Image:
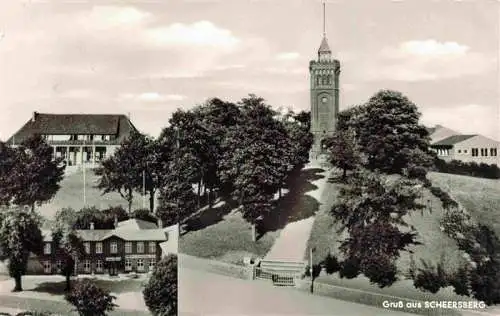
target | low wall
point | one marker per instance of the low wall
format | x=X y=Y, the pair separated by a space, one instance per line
x=217 y=267
x=371 y=298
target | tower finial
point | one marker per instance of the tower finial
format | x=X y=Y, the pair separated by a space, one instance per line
x=324 y=19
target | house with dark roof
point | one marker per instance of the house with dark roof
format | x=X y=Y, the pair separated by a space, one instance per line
x=77 y=138
x=133 y=245
x=468 y=148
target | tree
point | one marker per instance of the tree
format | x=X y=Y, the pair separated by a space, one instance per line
x=115 y=176
x=7 y=162
x=388 y=132
x=371 y=208
x=69 y=246
x=20 y=235
x=89 y=299
x=145 y=215
x=160 y=292
x=104 y=219
x=343 y=151
x=35 y=174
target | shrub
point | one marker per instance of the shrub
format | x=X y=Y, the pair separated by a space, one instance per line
x=430 y=279
x=145 y=215
x=445 y=198
x=472 y=169
x=160 y=293
x=331 y=264
x=456 y=221
x=316 y=270
x=381 y=271
x=89 y=299
x=349 y=269
x=460 y=280
x=485 y=282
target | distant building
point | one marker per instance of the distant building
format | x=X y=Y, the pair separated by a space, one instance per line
x=77 y=138
x=133 y=246
x=468 y=148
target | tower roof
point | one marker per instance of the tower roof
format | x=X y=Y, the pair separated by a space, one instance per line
x=324 y=47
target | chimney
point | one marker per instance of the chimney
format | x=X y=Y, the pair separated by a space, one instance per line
x=92 y=225
x=33 y=118
x=116 y=221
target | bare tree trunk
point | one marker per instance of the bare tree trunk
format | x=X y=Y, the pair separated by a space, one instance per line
x=199 y=193
x=254 y=233
x=18 y=287
x=68 y=283
x=279 y=191
x=130 y=199
x=152 y=201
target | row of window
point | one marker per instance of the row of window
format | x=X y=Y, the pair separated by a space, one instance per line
x=484 y=152
x=99 y=265
x=77 y=137
x=113 y=247
x=474 y=151
x=324 y=80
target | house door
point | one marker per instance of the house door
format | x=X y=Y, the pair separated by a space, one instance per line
x=112 y=269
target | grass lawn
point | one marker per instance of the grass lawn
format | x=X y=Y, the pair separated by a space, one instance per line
x=221 y=233
x=229 y=240
x=480 y=197
x=71 y=195
x=128 y=292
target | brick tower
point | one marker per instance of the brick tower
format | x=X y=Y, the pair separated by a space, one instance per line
x=324 y=86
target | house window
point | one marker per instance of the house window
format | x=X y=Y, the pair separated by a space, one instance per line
x=459 y=151
x=128 y=247
x=98 y=265
x=98 y=247
x=46 y=248
x=465 y=151
x=128 y=265
x=475 y=152
x=86 y=265
x=47 y=267
x=140 y=264
x=152 y=247
x=59 y=266
x=140 y=247
x=493 y=151
x=484 y=152
x=113 y=247
x=87 y=247
x=152 y=264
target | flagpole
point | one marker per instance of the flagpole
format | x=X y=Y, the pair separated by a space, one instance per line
x=143 y=189
x=84 y=180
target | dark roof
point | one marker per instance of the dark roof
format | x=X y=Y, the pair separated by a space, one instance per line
x=452 y=140
x=324 y=47
x=65 y=124
x=130 y=230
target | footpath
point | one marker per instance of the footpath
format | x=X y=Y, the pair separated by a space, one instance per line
x=291 y=244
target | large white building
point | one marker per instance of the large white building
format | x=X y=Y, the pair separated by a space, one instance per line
x=78 y=138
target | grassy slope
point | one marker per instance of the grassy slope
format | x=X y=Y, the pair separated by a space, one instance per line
x=325 y=238
x=71 y=195
x=434 y=244
x=481 y=197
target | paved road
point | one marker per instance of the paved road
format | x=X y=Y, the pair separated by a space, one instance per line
x=203 y=293
x=57 y=307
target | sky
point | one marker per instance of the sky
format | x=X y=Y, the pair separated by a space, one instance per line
x=148 y=58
